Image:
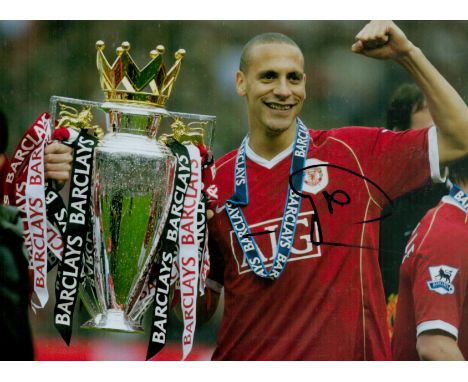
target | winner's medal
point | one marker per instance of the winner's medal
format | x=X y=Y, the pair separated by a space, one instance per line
x=240 y=198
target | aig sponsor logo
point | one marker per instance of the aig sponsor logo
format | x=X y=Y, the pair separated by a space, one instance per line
x=267 y=243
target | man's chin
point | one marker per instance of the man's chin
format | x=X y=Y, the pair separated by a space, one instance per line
x=278 y=129
x=273 y=132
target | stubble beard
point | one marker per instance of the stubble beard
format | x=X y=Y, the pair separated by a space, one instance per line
x=276 y=132
x=277 y=128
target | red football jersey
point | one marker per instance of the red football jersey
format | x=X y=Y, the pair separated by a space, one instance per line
x=328 y=304
x=434 y=281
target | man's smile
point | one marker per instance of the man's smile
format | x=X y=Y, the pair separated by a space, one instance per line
x=278 y=106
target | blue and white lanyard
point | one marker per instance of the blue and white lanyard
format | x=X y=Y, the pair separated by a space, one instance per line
x=459 y=196
x=240 y=198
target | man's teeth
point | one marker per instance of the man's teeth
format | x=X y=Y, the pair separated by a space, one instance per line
x=279 y=107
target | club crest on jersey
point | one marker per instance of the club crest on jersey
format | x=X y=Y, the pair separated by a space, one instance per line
x=315 y=178
x=442 y=279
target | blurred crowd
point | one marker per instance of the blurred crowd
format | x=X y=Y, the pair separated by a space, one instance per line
x=44 y=58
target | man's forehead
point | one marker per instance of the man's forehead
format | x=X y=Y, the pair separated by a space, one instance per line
x=278 y=47
x=264 y=53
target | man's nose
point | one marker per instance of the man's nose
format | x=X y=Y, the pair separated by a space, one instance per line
x=282 y=88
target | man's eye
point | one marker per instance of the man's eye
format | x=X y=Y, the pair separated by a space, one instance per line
x=295 y=78
x=269 y=76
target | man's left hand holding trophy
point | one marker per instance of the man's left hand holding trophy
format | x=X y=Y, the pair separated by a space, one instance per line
x=57 y=161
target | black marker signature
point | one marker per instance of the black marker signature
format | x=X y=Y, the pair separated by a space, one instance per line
x=330 y=198
x=257 y=233
x=338 y=197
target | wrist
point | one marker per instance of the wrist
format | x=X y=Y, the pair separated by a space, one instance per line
x=408 y=54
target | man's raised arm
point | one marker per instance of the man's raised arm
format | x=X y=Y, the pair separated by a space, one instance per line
x=384 y=40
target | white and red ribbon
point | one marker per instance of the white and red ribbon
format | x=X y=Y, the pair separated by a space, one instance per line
x=36 y=218
x=24 y=188
x=188 y=252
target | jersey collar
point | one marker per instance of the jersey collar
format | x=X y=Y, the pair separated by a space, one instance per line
x=269 y=164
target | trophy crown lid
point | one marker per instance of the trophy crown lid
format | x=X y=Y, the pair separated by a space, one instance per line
x=124 y=81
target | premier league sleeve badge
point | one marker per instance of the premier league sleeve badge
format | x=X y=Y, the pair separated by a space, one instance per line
x=442 y=277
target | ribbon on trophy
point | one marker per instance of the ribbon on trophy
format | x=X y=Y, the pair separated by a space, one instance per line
x=169 y=249
x=188 y=252
x=76 y=233
x=57 y=217
x=25 y=188
x=183 y=251
x=203 y=253
x=36 y=218
x=209 y=196
x=43 y=210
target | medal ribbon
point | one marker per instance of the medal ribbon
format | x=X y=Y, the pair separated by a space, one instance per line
x=291 y=210
x=459 y=196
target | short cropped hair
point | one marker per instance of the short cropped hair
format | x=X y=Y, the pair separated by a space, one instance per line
x=3 y=132
x=458 y=171
x=264 y=38
x=406 y=99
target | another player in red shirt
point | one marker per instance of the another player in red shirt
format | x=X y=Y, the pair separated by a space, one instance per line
x=298 y=260
x=432 y=311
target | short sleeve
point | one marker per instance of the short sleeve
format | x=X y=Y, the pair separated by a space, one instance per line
x=437 y=174
x=398 y=162
x=439 y=284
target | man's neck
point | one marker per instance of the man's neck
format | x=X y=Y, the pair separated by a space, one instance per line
x=268 y=146
x=463 y=186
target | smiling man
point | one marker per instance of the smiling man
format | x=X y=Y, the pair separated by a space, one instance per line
x=274 y=94
x=287 y=298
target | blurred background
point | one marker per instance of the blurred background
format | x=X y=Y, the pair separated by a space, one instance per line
x=39 y=59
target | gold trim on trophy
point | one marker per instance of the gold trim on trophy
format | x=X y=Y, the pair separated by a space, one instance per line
x=123 y=81
x=78 y=120
x=185 y=133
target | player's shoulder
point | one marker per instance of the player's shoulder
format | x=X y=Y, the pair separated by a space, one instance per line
x=227 y=161
x=443 y=224
x=443 y=213
x=434 y=217
x=453 y=219
x=441 y=239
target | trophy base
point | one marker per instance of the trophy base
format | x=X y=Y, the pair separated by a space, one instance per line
x=113 y=320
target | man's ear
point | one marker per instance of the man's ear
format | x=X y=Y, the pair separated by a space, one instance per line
x=305 y=81
x=240 y=83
